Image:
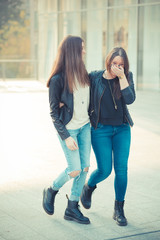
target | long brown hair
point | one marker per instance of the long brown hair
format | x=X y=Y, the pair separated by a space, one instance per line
x=117 y=51
x=69 y=62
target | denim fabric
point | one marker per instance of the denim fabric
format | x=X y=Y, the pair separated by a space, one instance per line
x=111 y=143
x=76 y=160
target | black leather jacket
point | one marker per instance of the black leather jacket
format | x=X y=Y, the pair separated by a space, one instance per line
x=60 y=116
x=97 y=90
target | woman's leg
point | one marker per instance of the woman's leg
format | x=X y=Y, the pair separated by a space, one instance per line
x=78 y=164
x=121 y=148
x=80 y=161
x=84 y=144
x=73 y=161
x=73 y=169
x=102 y=146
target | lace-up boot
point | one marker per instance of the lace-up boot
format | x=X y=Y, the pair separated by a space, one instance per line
x=73 y=213
x=119 y=213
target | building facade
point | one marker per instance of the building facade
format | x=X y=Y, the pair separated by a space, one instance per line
x=103 y=24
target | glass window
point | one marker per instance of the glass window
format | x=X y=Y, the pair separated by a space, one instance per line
x=94 y=4
x=52 y=5
x=69 y=23
x=149 y=47
x=69 y=5
x=47 y=37
x=118 y=27
x=121 y=2
x=149 y=1
x=83 y=4
x=47 y=6
x=94 y=32
x=122 y=31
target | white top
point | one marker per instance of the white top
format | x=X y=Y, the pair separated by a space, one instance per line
x=80 y=107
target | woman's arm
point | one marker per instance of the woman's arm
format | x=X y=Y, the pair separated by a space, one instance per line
x=128 y=93
x=55 y=91
x=127 y=88
x=54 y=100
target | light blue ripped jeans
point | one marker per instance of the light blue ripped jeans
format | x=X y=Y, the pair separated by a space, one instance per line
x=77 y=160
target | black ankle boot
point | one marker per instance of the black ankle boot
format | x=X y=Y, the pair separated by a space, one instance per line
x=119 y=213
x=73 y=213
x=48 y=200
x=86 y=196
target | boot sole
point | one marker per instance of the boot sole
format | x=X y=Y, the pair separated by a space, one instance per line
x=75 y=220
x=120 y=224
x=49 y=213
x=86 y=207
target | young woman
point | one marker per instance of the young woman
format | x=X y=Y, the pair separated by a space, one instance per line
x=69 y=84
x=111 y=91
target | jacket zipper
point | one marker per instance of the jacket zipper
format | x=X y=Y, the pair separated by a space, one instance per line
x=99 y=107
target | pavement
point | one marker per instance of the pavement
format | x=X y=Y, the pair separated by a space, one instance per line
x=31 y=157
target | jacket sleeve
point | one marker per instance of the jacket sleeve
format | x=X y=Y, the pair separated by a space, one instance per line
x=128 y=94
x=55 y=91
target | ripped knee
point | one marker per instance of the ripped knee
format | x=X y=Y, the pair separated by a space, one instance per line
x=74 y=173
x=86 y=169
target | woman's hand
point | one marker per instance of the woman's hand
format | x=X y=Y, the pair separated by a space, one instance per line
x=71 y=143
x=61 y=104
x=118 y=71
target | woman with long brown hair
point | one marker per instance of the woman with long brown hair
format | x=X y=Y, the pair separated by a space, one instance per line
x=69 y=84
x=111 y=90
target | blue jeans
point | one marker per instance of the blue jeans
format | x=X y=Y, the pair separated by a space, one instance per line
x=77 y=160
x=111 y=143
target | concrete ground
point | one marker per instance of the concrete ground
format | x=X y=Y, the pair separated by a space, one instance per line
x=31 y=157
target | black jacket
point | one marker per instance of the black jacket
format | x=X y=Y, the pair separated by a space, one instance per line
x=60 y=116
x=97 y=90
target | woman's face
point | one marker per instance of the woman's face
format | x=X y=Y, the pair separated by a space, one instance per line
x=118 y=62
